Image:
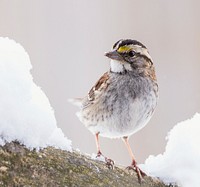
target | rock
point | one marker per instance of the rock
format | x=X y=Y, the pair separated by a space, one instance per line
x=20 y=166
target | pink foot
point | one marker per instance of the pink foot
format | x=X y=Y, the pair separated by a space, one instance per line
x=109 y=162
x=139 y=172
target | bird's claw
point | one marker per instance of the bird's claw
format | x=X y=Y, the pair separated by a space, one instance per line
x=109 y=163
x=139 y=172
x=99 y=154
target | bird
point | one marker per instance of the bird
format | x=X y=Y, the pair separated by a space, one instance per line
x=123 y=100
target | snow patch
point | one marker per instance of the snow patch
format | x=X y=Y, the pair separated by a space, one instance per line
x=26 y=114
x=99 y=158
x=180 y=163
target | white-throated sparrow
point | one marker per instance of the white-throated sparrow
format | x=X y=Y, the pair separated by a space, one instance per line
x=124 y=98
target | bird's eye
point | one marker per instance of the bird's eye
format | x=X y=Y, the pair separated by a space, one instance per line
x=131 y=53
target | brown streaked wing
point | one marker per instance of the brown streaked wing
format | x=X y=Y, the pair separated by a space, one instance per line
x=101 y=84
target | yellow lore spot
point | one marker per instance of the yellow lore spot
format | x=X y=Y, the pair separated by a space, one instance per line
x=124 y=49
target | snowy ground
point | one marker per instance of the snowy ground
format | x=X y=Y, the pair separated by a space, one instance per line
x=26 y=114
x=180 y=163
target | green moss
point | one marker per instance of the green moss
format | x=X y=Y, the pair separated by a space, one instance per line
x=54 y=167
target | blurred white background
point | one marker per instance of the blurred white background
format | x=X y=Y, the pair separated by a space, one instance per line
x=66 y=41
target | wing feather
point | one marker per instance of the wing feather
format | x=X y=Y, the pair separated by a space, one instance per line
x=100 y=86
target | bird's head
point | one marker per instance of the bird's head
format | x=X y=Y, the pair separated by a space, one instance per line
x=129 y=55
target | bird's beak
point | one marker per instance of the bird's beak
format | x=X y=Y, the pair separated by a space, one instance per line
x=114 y=55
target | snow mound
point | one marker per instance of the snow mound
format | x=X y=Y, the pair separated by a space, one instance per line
x=26 y=114
x=180 y=163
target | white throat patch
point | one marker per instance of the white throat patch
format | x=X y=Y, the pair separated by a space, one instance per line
x=116 y=66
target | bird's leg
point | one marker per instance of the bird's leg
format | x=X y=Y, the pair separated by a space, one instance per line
x=109 y=162
x=133 y=165
x=97 y=144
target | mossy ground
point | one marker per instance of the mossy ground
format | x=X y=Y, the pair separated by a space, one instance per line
x=53 y=167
